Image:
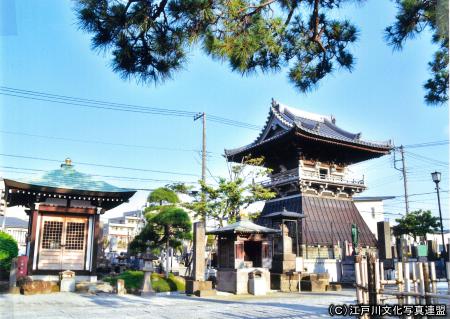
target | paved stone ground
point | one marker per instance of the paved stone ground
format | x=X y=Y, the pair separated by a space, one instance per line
x=70 y=305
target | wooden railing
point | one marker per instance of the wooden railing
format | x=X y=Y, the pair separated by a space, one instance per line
x=331 y=178
x=292 y=175
x=282 y=178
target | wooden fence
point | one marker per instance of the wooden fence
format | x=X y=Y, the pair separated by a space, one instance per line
x=414 y=283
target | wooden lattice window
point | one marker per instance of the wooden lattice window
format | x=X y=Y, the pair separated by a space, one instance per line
x=51 y=238
x=75 y=236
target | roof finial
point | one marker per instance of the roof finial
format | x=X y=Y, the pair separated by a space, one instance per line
x=67 y=162
x=274 y=103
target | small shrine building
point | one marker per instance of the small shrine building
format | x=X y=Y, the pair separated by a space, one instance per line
x=309 y=156
x=64 y=208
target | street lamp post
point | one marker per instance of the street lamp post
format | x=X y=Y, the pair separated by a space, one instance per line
x=436 y=176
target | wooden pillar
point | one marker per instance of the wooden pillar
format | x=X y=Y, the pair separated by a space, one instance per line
x=371 y=279
x=400 y=280
x=426 y=278
x=32 y=246
x=95 y=244
x=421 y=282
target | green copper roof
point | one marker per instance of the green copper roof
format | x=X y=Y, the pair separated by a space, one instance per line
x=69 y=178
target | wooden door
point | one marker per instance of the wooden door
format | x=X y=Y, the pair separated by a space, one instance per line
x=74 y=248
x=63 y=243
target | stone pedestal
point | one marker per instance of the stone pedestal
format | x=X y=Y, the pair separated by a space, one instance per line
x=283 y=274
x=200 y=288
x=315 y=282
x=147 y=289
x=287 y=282
x=67 y=281
x=236 y=280
x=283 y=263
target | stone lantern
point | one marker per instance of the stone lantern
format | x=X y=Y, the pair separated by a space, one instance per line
x=147 y=289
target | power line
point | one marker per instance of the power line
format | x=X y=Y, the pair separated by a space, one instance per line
x=424 y=158
x=113 y=106
x=428 y=144
x=102 y=142
x=99 y=165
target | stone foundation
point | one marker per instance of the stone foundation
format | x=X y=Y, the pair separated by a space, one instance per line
x=315 y=282
x=284 y=282
x=199 y=288
x=236 y=280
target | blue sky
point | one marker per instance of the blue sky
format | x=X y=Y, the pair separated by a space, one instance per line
x=43 y=50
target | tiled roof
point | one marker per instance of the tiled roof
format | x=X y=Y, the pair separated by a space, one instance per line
x=313 y=124
x=327 y=220
x=14 y=222
x=68 y=178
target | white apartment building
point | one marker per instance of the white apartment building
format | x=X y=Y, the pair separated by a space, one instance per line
x=371 y=209
x=120 y=231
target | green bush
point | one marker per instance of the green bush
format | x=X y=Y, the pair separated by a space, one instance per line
x=134 y=279
x=8 y=251
x=163 y=284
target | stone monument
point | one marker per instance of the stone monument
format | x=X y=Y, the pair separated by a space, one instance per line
x=283 y=276
x=198 y=285
x=384 y=240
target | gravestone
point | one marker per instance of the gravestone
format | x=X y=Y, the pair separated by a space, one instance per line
x=348 y=269
x=197 y=285
x=384 y=240
x=432 y=249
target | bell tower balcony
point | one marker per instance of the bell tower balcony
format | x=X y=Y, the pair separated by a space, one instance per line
x=316 y=182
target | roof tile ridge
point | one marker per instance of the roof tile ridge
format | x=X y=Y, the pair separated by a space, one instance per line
x=282 y=117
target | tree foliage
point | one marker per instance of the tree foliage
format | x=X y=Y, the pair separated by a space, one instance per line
x=165 y=228
x=150 y=40
x=8 y=251
x=416 y=224
x=180 y=188
x=413 y=17
x=163 y=195
x=226 y=200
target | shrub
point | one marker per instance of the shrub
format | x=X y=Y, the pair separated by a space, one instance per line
x=8 y=251
x=134 y=279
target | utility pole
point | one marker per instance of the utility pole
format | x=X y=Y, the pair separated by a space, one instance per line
x=3 y=207
x=203 y=117
x=403 y=170
x=203 y=196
